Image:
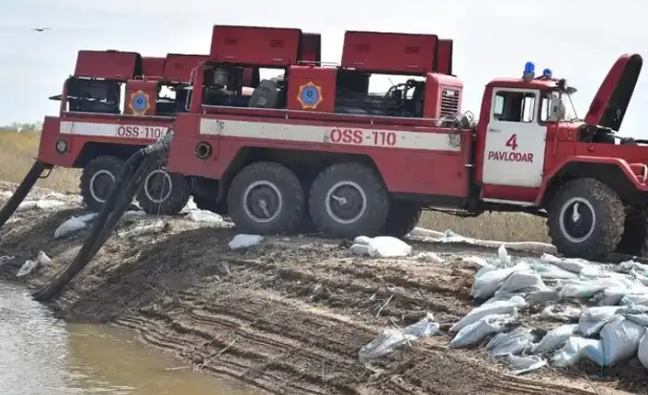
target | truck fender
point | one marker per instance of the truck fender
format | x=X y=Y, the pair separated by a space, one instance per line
x=567 y=165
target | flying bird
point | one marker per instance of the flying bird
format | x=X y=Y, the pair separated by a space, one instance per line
x=40 y=29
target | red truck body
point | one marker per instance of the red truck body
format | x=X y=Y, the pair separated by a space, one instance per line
x=412 y=148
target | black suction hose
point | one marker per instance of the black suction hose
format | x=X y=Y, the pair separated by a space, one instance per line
x=21 y=192
x=127 y=184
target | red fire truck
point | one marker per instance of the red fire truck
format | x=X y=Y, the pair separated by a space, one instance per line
x=318 y=145
x=117 y=102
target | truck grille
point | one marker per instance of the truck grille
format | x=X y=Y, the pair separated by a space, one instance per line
x=449 y=102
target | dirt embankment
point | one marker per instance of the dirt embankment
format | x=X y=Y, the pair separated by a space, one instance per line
x=289 y=315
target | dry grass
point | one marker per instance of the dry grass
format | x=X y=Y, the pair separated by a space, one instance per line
x=17 y=153
x=19 y=150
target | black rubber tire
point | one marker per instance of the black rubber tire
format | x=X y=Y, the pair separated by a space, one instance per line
x=109 y=163
x=172 y=205
x=608 y=225
x=209 y=204
x=375 y=215
x=635 y=235
x=402 y=218
x=292 y=194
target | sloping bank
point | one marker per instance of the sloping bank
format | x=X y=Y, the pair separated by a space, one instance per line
x=288 y=316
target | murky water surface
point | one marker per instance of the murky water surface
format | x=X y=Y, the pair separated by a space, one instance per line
x=41 y=355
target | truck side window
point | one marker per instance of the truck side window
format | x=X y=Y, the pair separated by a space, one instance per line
x=511 y=106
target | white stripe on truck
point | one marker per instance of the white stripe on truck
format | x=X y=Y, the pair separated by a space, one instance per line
x=281 y=132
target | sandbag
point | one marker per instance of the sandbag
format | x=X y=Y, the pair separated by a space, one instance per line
x=476 y=332
x=594 y=319
x=495 y=308
x=554 y=339
x=642 y=352
x=512 y=343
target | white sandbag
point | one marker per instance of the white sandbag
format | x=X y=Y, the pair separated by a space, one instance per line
x=388 y=247
x=205 y=216
x=390 y=339
x=555 y=339
x=574 y=265
x=516 y=300
x=549 y=271
x=628 y=266
x=642 y=352
x=43 y=259
x=488 y=281
x=381 y=246
x=637 y=314
x=423 y=232
x=362 y=240
x=504 y=257
x=476 y=314
x=28 y=267
x=512 y=343
x=633 y=300
x=70 y=226
x=525 y=364
x=522 y=281
x=575 y=349
x=586 y=289
x=620 y=338
x=476 y=332
x=244 y=241
x=43 y=204
x=561 y=313
x=594 y=319
x=360 y=249
x=610 y=296
x=140 y=230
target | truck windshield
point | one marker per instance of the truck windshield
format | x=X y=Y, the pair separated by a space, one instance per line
x=557 y=107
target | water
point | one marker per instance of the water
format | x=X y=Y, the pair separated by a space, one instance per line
x=41 y=355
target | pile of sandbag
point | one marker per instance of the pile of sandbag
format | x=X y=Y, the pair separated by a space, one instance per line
x=609 y=332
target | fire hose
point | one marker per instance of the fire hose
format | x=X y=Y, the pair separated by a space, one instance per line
x=127 y=184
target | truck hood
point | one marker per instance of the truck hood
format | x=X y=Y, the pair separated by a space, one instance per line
x=611 y=101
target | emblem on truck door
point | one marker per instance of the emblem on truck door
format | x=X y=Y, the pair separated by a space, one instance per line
x=139 y=103
x=310 y=96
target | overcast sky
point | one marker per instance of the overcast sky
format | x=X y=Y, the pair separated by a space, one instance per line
x=577 y=39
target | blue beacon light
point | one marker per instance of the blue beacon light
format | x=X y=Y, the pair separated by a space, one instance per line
x=547 y=73
x=529 y=71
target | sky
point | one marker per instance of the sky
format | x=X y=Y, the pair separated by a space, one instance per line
x=577 y=39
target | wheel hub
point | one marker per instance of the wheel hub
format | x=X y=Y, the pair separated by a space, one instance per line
x=101 y=184
x=262 y=201
x=346 y=202
x=157 y=186
x=577 y=219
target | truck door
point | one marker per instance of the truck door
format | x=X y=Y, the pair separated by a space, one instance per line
x=515 y=141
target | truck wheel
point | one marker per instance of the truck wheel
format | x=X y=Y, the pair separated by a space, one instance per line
x=402 y=218
x=266 y=198
x=98 y=179
x=635 y=234
x=348 y=200
x=164 y=193
x=586 y=219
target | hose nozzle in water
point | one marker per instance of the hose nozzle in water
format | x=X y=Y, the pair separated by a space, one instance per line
x=128 y=183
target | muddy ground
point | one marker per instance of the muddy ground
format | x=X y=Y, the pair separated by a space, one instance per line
x=288 y=315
